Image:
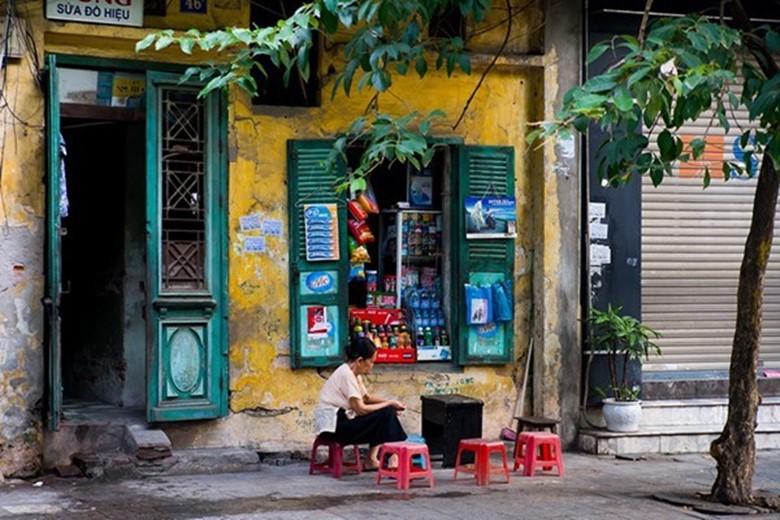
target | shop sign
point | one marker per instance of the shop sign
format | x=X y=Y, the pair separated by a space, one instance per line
x=112 y=12
x=491 y=217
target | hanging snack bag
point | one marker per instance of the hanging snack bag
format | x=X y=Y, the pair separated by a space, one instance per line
x=357 y=272
x=367 y=199
x=356 y=210
x=361 y=232
x=359 y=255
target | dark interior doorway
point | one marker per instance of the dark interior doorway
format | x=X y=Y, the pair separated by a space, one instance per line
x=103 y=249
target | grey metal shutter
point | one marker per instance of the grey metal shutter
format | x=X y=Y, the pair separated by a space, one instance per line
x=692 y=246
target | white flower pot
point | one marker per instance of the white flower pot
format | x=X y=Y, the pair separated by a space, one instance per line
x=622 y=416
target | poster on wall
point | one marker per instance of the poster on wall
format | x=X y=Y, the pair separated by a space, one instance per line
x=491 y=217
x=119 y=12
x=321 y=230
x=319 y=331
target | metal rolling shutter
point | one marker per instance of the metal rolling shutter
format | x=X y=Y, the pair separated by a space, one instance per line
x=692 y=245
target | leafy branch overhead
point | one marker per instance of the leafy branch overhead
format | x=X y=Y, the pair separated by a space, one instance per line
x=685 y=69
x=387 y=37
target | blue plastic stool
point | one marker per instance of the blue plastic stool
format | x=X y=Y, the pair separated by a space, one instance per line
x=417 y=460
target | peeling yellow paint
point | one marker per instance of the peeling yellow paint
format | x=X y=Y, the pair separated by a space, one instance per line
x=259 y=329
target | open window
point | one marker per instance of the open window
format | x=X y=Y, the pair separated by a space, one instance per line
x=392 y=262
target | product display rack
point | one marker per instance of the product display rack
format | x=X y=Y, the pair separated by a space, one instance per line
x=418 y=250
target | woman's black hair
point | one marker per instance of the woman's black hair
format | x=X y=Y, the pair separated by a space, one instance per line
x=360 y=347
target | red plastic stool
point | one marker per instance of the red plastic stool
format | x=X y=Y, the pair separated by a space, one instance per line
x=538 y=450
x=406 y=471
x=335 y=464
x=482 y=449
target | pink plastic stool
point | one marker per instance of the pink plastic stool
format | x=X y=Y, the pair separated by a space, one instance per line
x=335 y=464
x=406 y=471
x=482 y=469
x=538 y=450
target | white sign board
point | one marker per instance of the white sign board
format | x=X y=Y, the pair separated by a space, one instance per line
x=112 y=12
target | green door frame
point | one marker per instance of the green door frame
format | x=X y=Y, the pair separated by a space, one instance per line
x=51 y=299
x=217 y=298
x=181 y=324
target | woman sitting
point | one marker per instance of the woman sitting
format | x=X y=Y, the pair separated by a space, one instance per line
x=348 y=414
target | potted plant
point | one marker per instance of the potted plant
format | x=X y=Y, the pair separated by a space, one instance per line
x=622 y=338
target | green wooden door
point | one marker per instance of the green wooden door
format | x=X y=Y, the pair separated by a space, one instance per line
x=186 y=251
x=53 y=249
x=482 y=172
x=318 y=256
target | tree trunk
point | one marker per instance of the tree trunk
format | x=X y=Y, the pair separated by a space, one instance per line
x=735 y=449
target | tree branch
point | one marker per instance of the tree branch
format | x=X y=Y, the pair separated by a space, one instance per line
x=757 y=46
x=643 y=25
x=489 y=67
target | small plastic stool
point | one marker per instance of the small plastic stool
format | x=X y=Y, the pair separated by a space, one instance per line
x=534 y=423
x=407 y=470
x=417 y=460
x=538 y=450
x=482 y=469
x=335 y=464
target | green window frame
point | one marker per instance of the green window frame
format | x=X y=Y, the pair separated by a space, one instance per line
x=476 y=171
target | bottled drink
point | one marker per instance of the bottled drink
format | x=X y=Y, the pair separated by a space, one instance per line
x=428 y=336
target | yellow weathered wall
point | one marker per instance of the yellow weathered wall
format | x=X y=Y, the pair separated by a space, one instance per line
x=271 y=404
x=22 y=205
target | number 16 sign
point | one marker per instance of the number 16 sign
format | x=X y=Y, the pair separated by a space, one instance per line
x=193 y=6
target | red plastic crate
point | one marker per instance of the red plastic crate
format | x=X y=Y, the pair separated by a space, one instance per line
x=396 y=355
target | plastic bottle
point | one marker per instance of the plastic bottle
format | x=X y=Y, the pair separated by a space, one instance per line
x=420 y=337
x=428 y=336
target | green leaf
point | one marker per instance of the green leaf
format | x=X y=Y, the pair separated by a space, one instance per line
x=667 y=146
x=697 y=147
x=773 y=41
x=358 y=184
x=707 y=178
x=145 y=43
x=597 y=51
x=163 y=42
x=421 y=66
x=623 y=99
x=599 y=84
x=638 y=75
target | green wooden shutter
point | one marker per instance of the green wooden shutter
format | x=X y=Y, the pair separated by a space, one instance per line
x=482 y=171
x=51 y=299
x=186 y=186
x=318 y=289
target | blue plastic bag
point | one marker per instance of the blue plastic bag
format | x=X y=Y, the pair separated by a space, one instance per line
x=502 y=301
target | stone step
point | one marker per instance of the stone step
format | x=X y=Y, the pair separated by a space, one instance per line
x=668 y=439
x=656 y=414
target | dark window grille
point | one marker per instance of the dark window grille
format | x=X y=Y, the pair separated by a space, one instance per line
x=447 y=24
x=183 y=190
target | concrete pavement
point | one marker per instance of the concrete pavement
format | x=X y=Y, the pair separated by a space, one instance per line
x=594 y=487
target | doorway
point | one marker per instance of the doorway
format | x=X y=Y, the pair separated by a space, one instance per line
x=136 y=245
x=103 y=247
